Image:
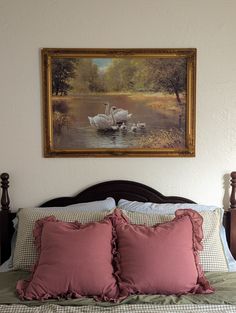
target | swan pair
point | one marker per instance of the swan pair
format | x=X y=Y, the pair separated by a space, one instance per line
x=110 y=119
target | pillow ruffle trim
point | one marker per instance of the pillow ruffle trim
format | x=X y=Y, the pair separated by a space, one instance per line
x=202 y=286
x=21 y=286
x=124 y=290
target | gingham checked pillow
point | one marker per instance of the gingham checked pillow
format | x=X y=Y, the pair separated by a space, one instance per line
x=212 y=258
x=25 y=253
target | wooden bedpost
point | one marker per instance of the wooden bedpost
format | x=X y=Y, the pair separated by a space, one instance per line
x=232 y=211
x=5 y=220
x=233 y=192
x=5 y=201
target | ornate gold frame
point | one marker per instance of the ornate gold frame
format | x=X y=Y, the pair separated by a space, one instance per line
x=189 y=149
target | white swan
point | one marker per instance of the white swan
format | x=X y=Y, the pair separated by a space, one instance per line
x=123 y=127
x=141 y=125
x=121 y=115
x=134 y=128
x=102 y=121
x=100 y=115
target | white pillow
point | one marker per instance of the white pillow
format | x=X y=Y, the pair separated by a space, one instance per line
x=161 y=208
x=170 y=208
x=101 y=205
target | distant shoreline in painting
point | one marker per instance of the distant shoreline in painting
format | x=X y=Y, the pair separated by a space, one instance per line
x=120 y=103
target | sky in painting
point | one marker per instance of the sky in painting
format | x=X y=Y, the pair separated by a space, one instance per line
x=102 y=63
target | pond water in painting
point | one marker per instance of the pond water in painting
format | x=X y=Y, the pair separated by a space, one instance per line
x=155 y=121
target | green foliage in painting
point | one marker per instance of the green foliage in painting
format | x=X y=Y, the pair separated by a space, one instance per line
x=167 y=75
x=87 y=78
x=83 y=75
x=120 y=75
x=63 y=70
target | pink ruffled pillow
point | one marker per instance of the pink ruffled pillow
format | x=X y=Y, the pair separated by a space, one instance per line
x=162 y=259
x=74 y=260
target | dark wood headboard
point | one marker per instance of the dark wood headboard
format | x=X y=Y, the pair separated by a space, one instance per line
x=118 y=189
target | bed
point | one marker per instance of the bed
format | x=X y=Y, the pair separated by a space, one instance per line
x=134 y=193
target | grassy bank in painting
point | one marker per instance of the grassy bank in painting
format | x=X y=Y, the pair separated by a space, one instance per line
x=173 y=138
x=163 y=116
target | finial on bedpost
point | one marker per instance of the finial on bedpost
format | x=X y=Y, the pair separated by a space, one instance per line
x=5 y=200
x=233 y=191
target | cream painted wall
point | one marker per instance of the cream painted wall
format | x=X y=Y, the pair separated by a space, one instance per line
x=28 y=25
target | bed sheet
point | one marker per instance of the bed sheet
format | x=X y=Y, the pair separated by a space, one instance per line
x=223 y=300
x=137 y=308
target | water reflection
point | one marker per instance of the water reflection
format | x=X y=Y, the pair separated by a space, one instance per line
x=88 y=137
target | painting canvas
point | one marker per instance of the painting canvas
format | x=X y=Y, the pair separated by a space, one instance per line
x=128 y=102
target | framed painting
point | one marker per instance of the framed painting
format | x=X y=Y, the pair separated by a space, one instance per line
x=119 y=102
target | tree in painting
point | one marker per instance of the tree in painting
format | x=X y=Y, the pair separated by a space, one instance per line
x=120 y=75
x=87 y=78
x=62 y=71
x=168 y=75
